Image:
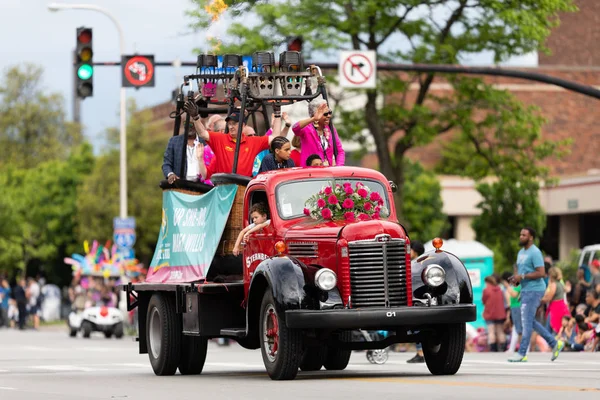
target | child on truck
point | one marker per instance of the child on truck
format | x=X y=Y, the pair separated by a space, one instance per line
x=260 y=219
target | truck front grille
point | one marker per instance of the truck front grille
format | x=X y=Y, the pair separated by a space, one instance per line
x=378 y=273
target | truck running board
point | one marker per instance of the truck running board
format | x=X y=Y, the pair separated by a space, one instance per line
x=234 y=332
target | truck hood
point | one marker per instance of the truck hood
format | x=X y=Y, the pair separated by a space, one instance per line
x=311 y=229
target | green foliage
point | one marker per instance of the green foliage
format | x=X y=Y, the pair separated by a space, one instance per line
x=44 y=159
x=33 y=128
x=42 y=212
x=98 y=197
x=422 y=205
x=506 y=208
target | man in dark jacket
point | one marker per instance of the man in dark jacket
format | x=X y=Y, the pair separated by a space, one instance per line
x=21 y=299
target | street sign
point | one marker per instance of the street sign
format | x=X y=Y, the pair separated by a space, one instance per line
x=124 y=232
x=137 y=71
x=358 y=69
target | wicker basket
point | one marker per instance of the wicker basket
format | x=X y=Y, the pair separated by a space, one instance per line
x=234 y=225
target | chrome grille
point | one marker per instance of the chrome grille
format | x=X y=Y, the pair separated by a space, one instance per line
x=378 y=273
x=302 y=249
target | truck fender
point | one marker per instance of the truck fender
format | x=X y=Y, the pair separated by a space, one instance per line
x=456 y=290
x=285 y=278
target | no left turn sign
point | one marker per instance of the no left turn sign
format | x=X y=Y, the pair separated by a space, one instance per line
x=357 y=69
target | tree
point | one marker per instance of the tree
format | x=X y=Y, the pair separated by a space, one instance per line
x=42 y=213
x=42 y=161
x=507 y=207
x=33 y=126
x=417 y=31
x=98 y=198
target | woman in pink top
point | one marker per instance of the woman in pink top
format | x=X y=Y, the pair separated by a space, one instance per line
x=315 y=136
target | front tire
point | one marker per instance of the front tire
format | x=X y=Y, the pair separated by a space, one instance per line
x=108 y=334
x=444 y=349
x=281 y=347
x=338 y=359
x=193 y=355
x=163 y=335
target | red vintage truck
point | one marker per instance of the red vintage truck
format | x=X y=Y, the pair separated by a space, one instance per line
x=307 y=283
x=302 y=285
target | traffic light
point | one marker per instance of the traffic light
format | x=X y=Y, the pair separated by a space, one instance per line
x=295 y=44
x=84 y=69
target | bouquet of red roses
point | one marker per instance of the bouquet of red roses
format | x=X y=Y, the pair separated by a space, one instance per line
x=343 y=202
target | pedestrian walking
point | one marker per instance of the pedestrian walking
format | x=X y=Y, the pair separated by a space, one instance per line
x=530 y=275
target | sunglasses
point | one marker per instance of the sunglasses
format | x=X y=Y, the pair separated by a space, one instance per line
x=327 y=114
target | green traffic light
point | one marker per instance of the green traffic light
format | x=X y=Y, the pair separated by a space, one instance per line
x=85 y=72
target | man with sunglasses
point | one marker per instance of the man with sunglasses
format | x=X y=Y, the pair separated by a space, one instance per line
x=224 y=145
x=174 y=153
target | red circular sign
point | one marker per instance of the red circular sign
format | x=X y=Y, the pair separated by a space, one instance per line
x=360 y=69
x=139 y=70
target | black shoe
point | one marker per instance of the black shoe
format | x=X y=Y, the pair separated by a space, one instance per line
x=416 y=360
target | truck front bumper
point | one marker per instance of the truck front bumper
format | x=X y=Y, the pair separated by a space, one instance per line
x=365 y=318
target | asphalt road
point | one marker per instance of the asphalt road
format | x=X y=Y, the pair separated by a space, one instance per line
x=49 y=365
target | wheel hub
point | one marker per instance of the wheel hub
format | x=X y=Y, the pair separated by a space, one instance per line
x=271 y=333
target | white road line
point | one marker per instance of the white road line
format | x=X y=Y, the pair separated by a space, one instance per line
x=65 y=368
x=3 y=370
x=7 y=388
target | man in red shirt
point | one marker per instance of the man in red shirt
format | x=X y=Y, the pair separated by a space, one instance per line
x=223 y=145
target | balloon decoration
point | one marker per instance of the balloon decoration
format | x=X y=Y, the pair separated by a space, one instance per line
x=103 y=261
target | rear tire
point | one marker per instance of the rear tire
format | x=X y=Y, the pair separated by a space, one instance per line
x=444 y=349
x=338 y=359
x=193 y=355
x=86 y=327
x=281 y=347
x=163 y=335
x=72 y=332
x=313 y=359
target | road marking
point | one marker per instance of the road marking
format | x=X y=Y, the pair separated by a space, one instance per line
x=65 y=368
x=3 y=370
x=7 y=388
x=475 y=384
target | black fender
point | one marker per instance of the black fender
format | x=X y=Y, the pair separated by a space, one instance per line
x=456 y=290
x=292 y=284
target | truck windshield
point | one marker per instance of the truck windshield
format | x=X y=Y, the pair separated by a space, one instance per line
x=292 y=196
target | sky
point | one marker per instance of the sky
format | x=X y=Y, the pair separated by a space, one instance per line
x=157 y=27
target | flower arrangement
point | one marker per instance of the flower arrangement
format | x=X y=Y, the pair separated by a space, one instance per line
x=343 y=202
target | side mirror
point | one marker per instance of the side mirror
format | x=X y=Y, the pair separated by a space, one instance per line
x=393 y=186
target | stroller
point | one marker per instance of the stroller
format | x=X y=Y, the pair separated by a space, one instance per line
x=376 y=356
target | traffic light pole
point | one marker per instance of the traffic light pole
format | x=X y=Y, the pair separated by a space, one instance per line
x=123 y=130
x=76 y=99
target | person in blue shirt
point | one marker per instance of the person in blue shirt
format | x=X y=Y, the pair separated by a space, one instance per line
x=4 y=297
x=530 y=273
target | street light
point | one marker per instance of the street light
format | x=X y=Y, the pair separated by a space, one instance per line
x=123 y=131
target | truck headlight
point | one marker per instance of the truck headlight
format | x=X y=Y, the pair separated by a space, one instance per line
x=434 y=275
x=325 y=279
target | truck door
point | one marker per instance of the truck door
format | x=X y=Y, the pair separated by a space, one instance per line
x=260 y=245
